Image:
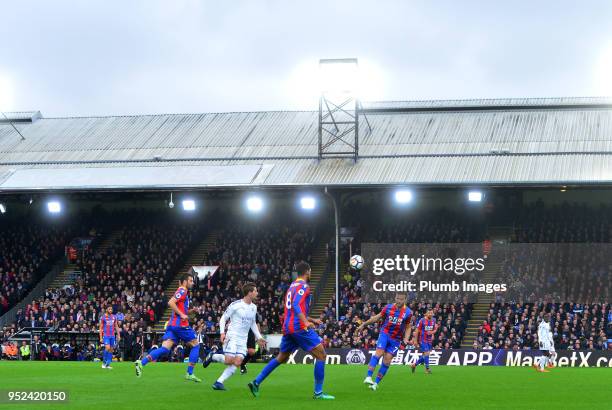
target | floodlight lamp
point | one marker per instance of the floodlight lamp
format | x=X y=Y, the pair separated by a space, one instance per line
x=338 y=75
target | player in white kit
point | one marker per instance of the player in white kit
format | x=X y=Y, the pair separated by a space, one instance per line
x=546 y=344
x=242 y=315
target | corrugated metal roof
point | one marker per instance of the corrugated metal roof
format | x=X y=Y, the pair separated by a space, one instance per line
x=489 y=103
x=20 y=116
x=565 y=140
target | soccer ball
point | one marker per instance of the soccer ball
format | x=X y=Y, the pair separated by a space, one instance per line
x=356 y=262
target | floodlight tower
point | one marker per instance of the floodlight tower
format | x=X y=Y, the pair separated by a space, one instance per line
x=338 y=108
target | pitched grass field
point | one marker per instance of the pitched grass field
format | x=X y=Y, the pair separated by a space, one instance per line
x=290 y=387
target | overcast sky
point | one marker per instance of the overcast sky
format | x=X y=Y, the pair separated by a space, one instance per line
x=78 y=58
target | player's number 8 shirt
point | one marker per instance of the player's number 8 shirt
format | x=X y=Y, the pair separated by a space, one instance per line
x=297 y=300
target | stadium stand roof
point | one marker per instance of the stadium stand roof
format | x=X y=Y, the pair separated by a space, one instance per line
x=472 y=142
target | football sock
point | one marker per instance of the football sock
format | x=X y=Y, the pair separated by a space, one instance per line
x=319 y=376
x=372 y=365
x=246 y=359
x=227 y=373
x=427 y=362
x=194 y=355
x=155 y=355
x=273 y=364
x=381 y=372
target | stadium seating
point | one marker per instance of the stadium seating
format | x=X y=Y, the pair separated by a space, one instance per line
x=574 y=326
x=262 y=254
x=27 y=252
x=513 y=324
x=130 y=276
x=426 y=227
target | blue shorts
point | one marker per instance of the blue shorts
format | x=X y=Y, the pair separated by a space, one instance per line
x=425 y=347
x=388 y=344
x=305 y=340
x=109 y=340
x=176 y=333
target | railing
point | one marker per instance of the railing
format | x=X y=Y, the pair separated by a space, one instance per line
x=39 y=290
x=74 y=275
x=324 y=278
x=27 y=333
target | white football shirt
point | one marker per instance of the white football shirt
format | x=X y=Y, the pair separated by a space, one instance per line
x=544 y=334
x=242 y=317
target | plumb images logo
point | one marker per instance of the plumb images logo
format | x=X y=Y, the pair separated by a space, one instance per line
x=355 y=356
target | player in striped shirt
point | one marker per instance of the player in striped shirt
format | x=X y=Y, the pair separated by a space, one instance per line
x=109 y=327
x=177 y=329
x=395 y=328
x=425 y=331
x=298 y=333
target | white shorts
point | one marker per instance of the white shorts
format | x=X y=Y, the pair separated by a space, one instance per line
x=548 y=347
x=234 y=346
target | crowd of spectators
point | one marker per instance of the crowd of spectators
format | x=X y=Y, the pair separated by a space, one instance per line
x=27 y=253
x=560 y=263
x=130 y=275
x=265 y=255
x=342 y=333
x=133 y=272
x=563 y=223
x=439 y=226
x=574 y=326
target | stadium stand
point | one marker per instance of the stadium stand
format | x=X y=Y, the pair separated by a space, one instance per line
x=262 y=254
x=135 y=271
x=129 y=275
x=513 y=324
x=575 y=326
x=433 y=226
x=27 y=252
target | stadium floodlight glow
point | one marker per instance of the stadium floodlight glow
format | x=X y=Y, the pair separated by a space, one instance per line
x=601 y=79
x=2 y=208
x=54 y=207
x=338 y=75
x=6 y=94
x=189 y=205
x=308 y=203
x=403 y=196
x=254 y=204
x=475 y=196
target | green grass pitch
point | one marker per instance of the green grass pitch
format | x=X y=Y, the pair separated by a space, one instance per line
x=290 y=387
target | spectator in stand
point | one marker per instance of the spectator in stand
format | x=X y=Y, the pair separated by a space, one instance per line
x=130 y=276
x=573 y=325
x=27 y=252
x=267 y=253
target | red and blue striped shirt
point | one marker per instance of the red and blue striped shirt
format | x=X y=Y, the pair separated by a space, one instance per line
x=396 y=319
x=425 y=326
x=182 y=302
x=108 y=324
x=297 y=300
